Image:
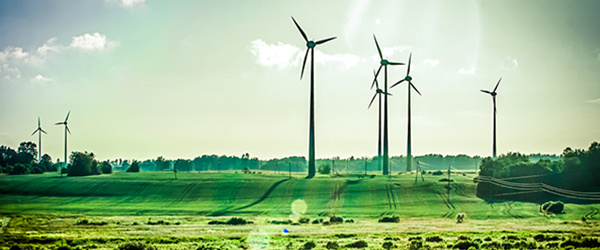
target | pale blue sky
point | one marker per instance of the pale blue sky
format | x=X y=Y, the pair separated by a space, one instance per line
x=187 y=78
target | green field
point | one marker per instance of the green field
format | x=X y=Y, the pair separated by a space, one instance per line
x=43 y=211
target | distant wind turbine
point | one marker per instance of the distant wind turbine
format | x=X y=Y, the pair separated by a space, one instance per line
x=39 y=130
x=408 y=78
x=66 y=130
x=493 y=94
x=310 y=44
x=378 y=93
x=384 y=63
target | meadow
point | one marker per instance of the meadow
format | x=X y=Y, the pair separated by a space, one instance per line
x=46 y=211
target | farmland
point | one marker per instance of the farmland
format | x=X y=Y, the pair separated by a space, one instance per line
x=49 y=207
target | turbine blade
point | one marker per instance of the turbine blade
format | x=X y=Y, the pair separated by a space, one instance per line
x=68 y=116
x=67 y=127
x=397 y=83
x=395 y=63
x=34 y=132
x=375 y=81
x=409 y=60
x=497 y=84
x=373 y=99
x=59 y=123
x=413 y=86
x=378 y=49
x=485 y=91
x=376 y=74
x=390 y=94
x=300 y=29
x=43 y=131
x=38 y=121
x=325 y=40
x=304 y=63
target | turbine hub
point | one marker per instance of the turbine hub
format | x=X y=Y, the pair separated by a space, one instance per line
x=311 y=44
x=379 y=91
x=408 y=78
x=384 y=62
x=494 y=93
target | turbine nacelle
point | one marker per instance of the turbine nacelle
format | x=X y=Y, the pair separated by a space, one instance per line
x=384 y=62
x=408 y=78
x=311 y=44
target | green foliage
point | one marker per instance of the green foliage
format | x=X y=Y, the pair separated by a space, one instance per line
x=324 y=169
x=388 y=245
x=231 y=221
x=555 y=207
x=246 y=170
x=391 y=219
x=18 y=169
x=516 y=165
x=309 y=245
x=28 y=152
x=434 y=238
x=335 y=219
x=46 y=163
x=332 y=245
x=439 y=172
x=184 y=165
x=82 y=164
x=358 y=244
x=136 y=246
x=106 y=167
x=135 y=167
x=304 y=220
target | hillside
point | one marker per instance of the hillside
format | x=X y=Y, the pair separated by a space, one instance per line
x=216 y=194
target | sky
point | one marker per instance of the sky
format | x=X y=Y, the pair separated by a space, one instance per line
x=180 y=79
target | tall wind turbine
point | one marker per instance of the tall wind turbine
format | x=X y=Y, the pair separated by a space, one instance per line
x=408 y=78
x=384 y=63
x=378 y=93
x=310 y=45
x=39 y=130
x=493 y=94
x=66 y=130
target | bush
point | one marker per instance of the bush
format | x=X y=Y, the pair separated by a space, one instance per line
x=391 y=219
x=309 y=245
x=136 y=246
x=555 y=207
x=317 y=221
x=349 y=221
x=460 y=217
x=303 y=220
x=335 y=219
x=106 y=167
x=464 y=244
x=332 y=245
x=358 y=244
x=18 y=169
x=231 y=221
x=37 y=170
x=135 y=167
x=439 y=172
x=246 y=170
x=434 y=239
x=324 y=169
x=388 y=245
x=281 y=222
x=82 y=164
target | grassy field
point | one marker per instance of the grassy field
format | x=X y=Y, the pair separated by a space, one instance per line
x=44 y=210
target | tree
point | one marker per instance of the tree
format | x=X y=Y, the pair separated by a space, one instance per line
x=183 y=165
x=324 y=169
x=46 y=163
x=162 y=164
x=7 y=156
x=28 y=148
x=82 y=164
x=106 y=167
x=135 y=167
x=18 y=169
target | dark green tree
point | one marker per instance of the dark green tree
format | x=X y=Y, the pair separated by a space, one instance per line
x=135 y=167
x=106 y=167
x=324 y=169
x=82 y=164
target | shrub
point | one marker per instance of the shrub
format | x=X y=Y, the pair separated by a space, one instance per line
x=391 y=219
x=460 y=217
x=317 y=221
x=415 y=245
x=324 y=169
x=349 y=221
x=434 y=239
x=464 y=244
x=309 y=245
x=106 y=167
x=134 y=168
x=18 y=169
x=345 y=236
x=136 y=246
x=231 y=221
x=91 y=223
x=281 y=222
x=332 y=245
x=335 y=219
x=82 y=164
x=358 y=244
x=388 y=245
x=303 y=220
x=439 y=172
x=37 y=170
x=555 y=207
x=246 y=170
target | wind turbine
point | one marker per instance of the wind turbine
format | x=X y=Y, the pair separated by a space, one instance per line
x=408 y=78
x=66 y=130
x=39 y=130
x=493 y=94
x=378 y=92
x=384 y=63
x=310 y=45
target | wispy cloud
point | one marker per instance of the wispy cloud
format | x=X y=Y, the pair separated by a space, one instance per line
x=283 y=55
x=93 y=42
x=12 y=53
x=43 y=50
x=8 y=72
x=467 y=71
x=40 y=78
x=432 y=62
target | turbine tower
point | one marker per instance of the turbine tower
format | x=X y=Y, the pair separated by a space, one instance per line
x=384 y=63
x=408 y=78
x=378 y=93
x=310 y=45
x=39 y=130
x=493 y=94
x=66 y=130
